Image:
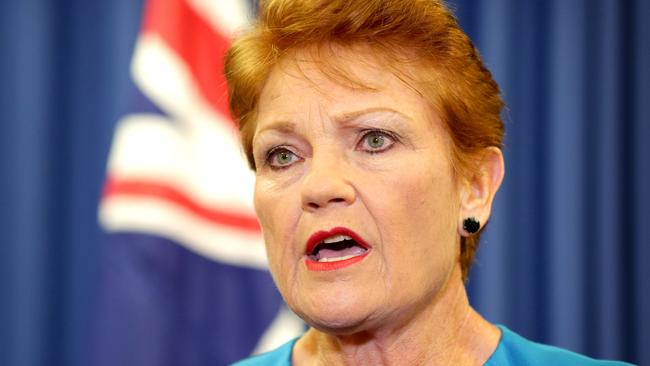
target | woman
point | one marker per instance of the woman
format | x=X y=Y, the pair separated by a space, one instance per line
x=374 y=130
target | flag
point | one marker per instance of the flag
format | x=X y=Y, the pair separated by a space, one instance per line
x=185 y=280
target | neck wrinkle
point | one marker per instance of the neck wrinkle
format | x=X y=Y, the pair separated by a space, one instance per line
x=444 y=332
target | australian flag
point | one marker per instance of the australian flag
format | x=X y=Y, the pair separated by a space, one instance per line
x=185 y=280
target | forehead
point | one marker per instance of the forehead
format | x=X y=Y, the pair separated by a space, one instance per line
x=333 y=83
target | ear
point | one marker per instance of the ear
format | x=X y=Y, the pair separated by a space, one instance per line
x=478 y=191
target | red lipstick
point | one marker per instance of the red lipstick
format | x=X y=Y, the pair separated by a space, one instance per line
x=313 y=264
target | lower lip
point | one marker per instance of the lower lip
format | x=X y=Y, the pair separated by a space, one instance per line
x=313 y=265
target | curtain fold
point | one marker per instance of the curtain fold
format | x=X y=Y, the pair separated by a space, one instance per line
x=63 y=70
x=563 y=257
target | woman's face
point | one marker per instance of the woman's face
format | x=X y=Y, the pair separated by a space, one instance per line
x=369 y=171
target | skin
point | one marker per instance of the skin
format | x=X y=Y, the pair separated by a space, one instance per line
x=378 y=162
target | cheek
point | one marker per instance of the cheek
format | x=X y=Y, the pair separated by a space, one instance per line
x=420 y=223
x=275 y=215
x=265 y=209
x=269 y=205
x=424 y=199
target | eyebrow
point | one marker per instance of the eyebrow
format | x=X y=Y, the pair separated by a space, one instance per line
x=284 y=126
x=279 y=126
x=350 y=116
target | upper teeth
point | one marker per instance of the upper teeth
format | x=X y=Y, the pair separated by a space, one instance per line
x=336 y=238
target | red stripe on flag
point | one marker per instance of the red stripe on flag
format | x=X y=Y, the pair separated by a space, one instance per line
x=196 y=42
x=166 y=192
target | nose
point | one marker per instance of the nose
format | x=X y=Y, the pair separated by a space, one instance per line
x=326 y=183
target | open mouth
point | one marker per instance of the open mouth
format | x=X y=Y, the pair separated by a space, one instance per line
x=337 y=248
x=334 y=249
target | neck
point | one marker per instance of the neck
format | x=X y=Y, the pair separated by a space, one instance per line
x=445 y=332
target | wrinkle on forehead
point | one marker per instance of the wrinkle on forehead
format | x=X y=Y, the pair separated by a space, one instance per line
x=315 y=68
x=357 y=68
x=346 y=65
x=338 y=64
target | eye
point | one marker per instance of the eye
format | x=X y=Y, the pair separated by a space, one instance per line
x=281 y=157
x=375 y=141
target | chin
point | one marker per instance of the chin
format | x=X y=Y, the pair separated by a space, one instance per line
x=335 y=313
x=337 y=324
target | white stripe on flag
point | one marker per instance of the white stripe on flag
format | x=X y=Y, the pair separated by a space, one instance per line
x=227 y=17
x=167 y=81
x=153 y=216
x=205 y=162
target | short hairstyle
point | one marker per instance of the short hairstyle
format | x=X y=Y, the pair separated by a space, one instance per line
x=444 y=67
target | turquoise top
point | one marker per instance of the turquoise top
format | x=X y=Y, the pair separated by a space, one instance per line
x=512 y=350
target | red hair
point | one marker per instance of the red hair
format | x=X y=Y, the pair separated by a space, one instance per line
x=442 y=65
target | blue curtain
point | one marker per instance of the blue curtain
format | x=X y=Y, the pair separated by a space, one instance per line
x=563 y=260
x=564 y=257
x=63 y=70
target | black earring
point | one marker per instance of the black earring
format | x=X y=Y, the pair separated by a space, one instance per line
x=471 y=225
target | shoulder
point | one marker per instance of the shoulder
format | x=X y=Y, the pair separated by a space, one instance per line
x=515 y=350
x=280 y=356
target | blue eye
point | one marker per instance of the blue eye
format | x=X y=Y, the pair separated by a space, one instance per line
x=281 y=157
x=376 y=141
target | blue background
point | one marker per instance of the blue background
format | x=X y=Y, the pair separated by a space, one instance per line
x=564 y=259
